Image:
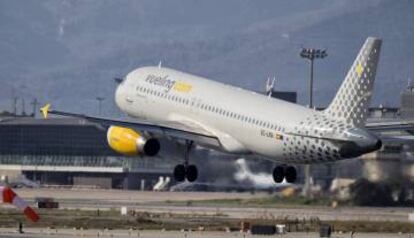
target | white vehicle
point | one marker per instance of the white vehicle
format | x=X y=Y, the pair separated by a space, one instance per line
x=162 y=184
x=163 y=102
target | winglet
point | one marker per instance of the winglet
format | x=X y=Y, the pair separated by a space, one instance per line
x=45 y=110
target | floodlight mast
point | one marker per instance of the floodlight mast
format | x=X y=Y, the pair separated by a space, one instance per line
x=311 y=54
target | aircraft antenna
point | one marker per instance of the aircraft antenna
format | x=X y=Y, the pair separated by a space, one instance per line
x=160 y=64
x=270 y=84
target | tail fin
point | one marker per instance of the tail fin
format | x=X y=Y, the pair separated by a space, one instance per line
x=353 y=98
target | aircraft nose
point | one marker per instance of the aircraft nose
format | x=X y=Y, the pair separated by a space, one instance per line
x=118 y=95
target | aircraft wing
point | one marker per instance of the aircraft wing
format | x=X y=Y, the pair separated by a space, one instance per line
x=163 y=129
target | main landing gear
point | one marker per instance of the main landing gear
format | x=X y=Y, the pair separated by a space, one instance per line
x=186 y=170
x=284 y=172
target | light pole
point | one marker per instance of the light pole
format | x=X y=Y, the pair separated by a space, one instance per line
x=15 y=99
x=100 y=99
x=34 y=103
x=311 y=54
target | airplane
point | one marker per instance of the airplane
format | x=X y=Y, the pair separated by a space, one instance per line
x=166 y=103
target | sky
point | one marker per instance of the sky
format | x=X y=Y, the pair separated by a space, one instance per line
x=67 y=52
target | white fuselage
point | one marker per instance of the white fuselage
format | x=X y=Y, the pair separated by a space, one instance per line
x=244 y=121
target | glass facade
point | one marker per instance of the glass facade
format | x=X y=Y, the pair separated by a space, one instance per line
x=67 y=140
x=64 y=142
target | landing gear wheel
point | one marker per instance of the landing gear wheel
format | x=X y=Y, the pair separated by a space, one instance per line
x=192 y=173
x=179 y=173
x=290 y=174
x=183 y=171
x=278 y=174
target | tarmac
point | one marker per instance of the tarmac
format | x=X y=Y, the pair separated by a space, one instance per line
x=63 y=233
x=165 y=203
x=129 y=196
x=159 y=202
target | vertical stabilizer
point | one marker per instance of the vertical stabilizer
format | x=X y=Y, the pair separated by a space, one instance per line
x=353 y=97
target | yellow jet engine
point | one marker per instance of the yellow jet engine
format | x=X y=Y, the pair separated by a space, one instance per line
x=129 y=142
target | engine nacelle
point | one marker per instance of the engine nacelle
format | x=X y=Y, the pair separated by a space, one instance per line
x=129 y=142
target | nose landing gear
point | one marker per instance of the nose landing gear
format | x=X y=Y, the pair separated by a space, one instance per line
x=186 y=170
x=284 y=172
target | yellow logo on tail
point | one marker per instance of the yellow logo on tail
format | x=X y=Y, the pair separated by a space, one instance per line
x=359 y=69
x=45 y=110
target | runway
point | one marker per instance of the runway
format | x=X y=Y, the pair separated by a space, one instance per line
x=165 y=202
x=63 y=233
x=129 y=196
